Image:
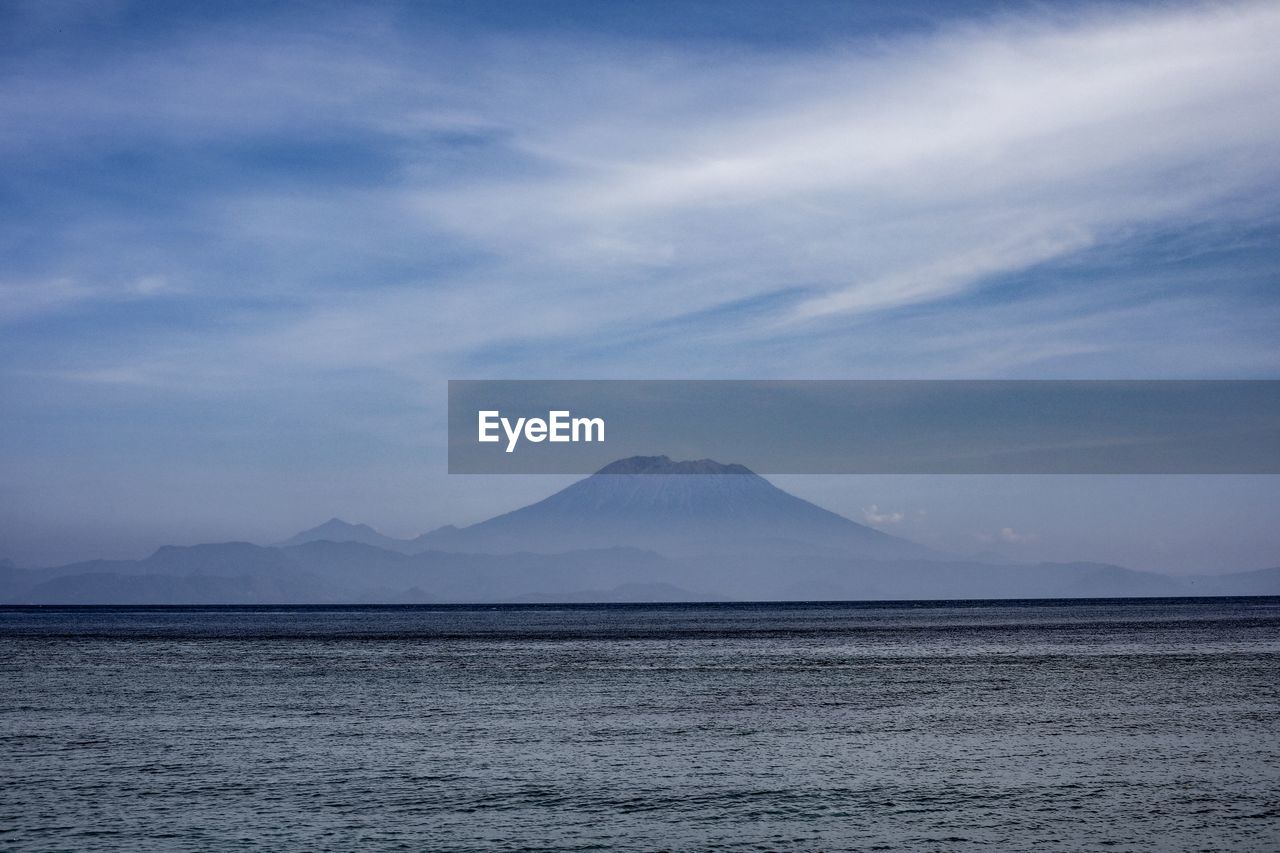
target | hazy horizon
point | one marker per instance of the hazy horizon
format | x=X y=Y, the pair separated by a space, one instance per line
x=1062 y=493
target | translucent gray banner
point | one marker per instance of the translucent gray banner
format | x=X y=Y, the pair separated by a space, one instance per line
x=869 y=426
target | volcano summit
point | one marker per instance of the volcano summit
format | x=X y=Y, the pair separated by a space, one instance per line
x=676 y=508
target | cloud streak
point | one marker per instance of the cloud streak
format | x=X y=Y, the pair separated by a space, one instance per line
x=901 y=176
x=644 y=182
x=553 y=196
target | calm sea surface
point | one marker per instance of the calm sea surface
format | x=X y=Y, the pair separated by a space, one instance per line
x=1118 y=725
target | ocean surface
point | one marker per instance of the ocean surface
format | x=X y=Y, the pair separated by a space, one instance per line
x=1067 y=725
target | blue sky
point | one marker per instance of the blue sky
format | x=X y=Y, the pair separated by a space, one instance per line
x=246 y=244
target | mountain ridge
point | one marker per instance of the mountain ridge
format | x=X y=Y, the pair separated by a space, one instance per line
x=638 y=527
x=338 y=530
x=325 y=572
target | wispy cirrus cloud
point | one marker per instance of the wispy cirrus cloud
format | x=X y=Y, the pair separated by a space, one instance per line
x=333 y=188
x=897 y=175
x=645 y=183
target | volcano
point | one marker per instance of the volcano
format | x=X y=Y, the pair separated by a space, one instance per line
x=676 y=508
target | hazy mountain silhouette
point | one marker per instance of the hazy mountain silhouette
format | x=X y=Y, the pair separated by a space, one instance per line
x=335 y=572
x=640 y=529
x=326 y=572
x=337 y=530
x=676 y=508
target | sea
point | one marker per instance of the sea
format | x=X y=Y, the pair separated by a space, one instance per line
x=1132 y=724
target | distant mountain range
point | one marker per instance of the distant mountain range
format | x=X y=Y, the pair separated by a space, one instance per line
x=640 y=529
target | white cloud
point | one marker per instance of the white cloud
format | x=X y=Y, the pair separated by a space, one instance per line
x=873 y=515
x=22 y=300
x=1008 y=536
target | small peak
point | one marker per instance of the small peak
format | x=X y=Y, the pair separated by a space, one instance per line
x=665 y=465
x=342 y=525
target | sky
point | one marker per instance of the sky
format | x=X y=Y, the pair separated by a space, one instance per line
x=246 y=245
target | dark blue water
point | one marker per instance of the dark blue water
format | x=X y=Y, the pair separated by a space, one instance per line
x=1119 y=725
